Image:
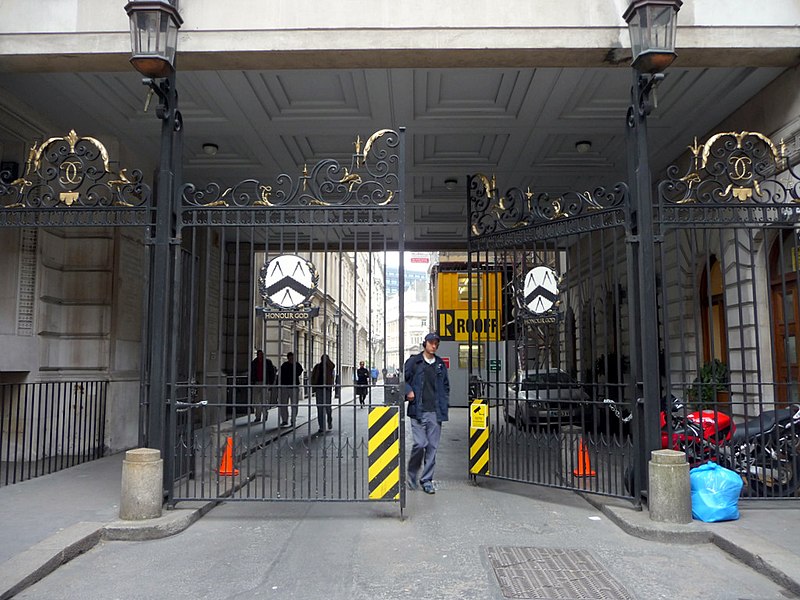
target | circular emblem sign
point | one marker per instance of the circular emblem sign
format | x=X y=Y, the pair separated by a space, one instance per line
x=287 y=281
x=540 y=289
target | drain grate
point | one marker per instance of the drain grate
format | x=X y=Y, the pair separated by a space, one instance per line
x=552 y=574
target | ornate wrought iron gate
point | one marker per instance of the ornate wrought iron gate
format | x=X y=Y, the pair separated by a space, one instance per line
x=562 y=406
x=564 y=312
x=293 y=267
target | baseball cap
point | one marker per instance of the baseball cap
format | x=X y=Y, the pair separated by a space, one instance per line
x=431 y=337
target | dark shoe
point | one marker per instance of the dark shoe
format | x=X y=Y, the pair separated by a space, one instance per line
x=321 y=431
x=427 y=487
x=284 y=424
x=330 y=424
x=412 y=484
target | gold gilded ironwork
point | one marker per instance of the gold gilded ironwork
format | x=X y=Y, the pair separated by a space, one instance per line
x=265 y=193
x=69 y=198
x=388 y=199
x=739 y=137
x=591 y=203
x=122 y=179
x=358 y=144
x=693 y=177
x=372 y=139
x=557 y=212
x=487 y=185
x=352 y=179
x=71 y=138
x=740 y=193
x=21 y=181
x=70 y=172
x=305 y=177
x=741 y=167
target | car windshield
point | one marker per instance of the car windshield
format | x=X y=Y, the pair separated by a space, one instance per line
x=545 y=379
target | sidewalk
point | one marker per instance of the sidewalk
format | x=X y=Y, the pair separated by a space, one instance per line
x=49 y=520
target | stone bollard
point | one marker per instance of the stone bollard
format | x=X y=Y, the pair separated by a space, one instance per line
x=142 y=481
x=669 y=496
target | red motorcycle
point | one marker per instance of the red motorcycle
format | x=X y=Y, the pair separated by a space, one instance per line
x=764 y=450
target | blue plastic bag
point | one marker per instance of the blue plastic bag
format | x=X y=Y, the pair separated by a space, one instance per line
x=715 y=493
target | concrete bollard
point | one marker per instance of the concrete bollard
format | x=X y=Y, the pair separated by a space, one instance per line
x=669 y=496
x=142 y=481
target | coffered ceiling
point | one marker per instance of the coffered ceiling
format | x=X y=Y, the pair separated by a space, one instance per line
x=520 y=124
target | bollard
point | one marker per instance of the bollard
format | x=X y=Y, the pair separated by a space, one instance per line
x=669 y=495
x=142 y=480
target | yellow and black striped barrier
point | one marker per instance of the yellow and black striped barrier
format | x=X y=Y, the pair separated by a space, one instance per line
x=479 y=437
x=384 y=453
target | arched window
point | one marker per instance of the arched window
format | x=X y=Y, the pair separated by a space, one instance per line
x=783 y=265
x=712 y=309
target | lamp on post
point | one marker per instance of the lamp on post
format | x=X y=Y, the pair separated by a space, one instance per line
x=154 y=34
x=652 y=27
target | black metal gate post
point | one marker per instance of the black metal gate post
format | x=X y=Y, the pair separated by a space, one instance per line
x=163 y=267
x=647 y=380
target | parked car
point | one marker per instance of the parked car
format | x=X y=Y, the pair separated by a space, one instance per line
x=545 y=399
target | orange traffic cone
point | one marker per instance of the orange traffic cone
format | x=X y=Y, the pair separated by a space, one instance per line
x=226 y=464
x=584 y=466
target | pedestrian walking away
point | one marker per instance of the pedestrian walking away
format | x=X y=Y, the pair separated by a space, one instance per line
x=262 y=378
x=323 y=378
x=362 y=382
x=428 y=395
x=374 y=374
x=290 y=389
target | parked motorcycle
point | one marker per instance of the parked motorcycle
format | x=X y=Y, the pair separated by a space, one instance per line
x=764 y=450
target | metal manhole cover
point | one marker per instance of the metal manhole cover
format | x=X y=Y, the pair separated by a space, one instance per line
x=552 y=573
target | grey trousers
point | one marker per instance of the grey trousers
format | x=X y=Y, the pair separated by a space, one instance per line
x=426 y=433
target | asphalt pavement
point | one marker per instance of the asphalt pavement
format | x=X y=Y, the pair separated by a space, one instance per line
x=52 y=520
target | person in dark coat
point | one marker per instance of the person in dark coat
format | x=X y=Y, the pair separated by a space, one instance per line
x=323 y=378
x=428 y=397
x=362 y=382
x=262 y=378
x=290 y=389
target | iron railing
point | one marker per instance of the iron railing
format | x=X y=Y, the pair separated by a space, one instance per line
x=49 y=426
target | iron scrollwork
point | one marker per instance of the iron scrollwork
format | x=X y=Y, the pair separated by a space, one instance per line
x=370 y=180
x=733 y=168
x=72 y=171
x=491 y=212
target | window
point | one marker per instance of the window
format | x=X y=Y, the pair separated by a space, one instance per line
x=463 y=356
x=470 y=286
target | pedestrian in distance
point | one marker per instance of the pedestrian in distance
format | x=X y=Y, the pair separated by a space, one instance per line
x=323 y=378
x=290 y=389
x=374 y=374
x=362 y=382
x=262 y=378
x=427 y=392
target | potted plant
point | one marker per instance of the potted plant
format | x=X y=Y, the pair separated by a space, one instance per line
x=712 y=378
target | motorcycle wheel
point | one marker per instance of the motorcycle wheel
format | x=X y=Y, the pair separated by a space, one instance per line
x=787 y=466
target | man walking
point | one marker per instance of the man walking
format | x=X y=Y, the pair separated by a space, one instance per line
x=362 y=382
x=290 y=389
x=428 y=397
x=262 y=377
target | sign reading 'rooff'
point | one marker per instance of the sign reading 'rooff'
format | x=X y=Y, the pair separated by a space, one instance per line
x=457 y=325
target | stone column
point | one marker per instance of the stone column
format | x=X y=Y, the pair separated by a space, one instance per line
x=669 y=495
x=142 y=494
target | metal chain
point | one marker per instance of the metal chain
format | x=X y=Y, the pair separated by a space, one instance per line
x=613 y=406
